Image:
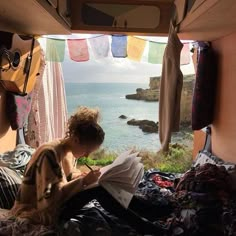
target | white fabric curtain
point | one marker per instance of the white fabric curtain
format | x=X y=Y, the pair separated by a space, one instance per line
x=48 y=116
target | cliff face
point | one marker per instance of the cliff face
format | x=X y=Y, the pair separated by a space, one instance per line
x=152 y=94
x=154 y=82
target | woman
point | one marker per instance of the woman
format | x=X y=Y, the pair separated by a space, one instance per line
x=51 y=191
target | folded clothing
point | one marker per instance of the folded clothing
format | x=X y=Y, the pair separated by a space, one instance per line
x=9 y=184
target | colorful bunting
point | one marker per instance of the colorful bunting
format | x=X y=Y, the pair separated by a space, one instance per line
x=185 y=54
x=100 y=46
x=78 y=49
x=119 y=46
x=55 y=50
x=156 y=52
x=135 y=48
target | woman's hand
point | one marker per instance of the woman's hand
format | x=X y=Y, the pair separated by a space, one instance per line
x=91 y=177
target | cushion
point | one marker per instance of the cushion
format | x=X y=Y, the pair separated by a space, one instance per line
x=9 y=184
x=204 y=157
x=207 y=157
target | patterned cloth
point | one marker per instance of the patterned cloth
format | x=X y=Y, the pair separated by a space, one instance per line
x=48 y=116
x=9 y=185
x=18 y=109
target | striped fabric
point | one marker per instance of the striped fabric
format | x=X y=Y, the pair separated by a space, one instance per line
x=9 y=185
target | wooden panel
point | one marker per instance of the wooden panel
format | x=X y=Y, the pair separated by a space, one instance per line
x=198 y=141
x=166 y=8
x=7 y=135
x=209 y=21
x=224 y=125
x=32 y=17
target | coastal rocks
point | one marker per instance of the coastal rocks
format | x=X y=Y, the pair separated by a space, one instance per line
x=123 y=117
x=150 y=95
x=145 y=94
x=145 y=125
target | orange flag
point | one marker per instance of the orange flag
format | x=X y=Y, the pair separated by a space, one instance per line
x=135 y=48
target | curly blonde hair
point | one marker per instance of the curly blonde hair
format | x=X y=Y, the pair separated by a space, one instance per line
x=84 y=125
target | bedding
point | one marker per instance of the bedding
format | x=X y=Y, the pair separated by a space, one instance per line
x=200 y=202
x=9 y=184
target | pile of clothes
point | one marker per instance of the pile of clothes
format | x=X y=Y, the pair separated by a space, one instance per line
x=200 y=202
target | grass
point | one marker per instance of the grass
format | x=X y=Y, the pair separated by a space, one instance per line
x=177 y=160
x=98 y=158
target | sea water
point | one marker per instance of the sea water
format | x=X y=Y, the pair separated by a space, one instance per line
x=111 y=101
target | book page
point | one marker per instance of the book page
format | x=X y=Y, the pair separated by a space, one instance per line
x=121 y=177
x=126 y=174
x=122 y=196
x=120 y=164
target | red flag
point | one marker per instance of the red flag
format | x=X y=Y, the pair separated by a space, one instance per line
x=78 y=49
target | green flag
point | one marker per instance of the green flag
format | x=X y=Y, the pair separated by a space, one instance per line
x=156 y=52
x=55 y=50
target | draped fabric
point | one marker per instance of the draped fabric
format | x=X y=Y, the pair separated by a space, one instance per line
x=18 y=109
x=135 y=48
x=204 y=95
x=119 y=46
x=170 y=89
x=78 y=49
x=48 y=116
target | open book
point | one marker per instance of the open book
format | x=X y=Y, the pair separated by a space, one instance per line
x=121 y=178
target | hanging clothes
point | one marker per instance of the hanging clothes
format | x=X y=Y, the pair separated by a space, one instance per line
x=204 y=95
x=48 y=116
x=170 y=89
x=17 y=109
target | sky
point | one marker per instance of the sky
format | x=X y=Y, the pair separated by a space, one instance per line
x=113 y=70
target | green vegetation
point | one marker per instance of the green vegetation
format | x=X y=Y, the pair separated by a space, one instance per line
x=177 y=160
x=98 y=158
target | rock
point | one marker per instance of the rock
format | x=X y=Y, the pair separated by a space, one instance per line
x=123 y=117
x=146 y=125
x=155 y=82
x=149 y=129
x=133 y=96
x=150 y=95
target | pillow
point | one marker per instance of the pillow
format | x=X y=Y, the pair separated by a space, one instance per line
x=207 y=157
x=204 y=157
x=9 y=184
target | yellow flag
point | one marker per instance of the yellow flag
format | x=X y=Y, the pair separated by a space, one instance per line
x=135 y=48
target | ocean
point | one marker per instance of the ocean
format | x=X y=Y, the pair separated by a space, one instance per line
x=111 y=101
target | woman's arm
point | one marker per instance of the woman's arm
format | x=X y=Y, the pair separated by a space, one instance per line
x=69 y=167
x=72 y=187
x=52 y=187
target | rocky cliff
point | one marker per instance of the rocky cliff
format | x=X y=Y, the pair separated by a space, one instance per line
x=152 y=94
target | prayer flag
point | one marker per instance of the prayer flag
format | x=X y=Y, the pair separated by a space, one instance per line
x=55 y=50
x=185 y=54
x=135 y=48
x=119 y=46
x=78 y=49
x=100 y=46
x=156 y=52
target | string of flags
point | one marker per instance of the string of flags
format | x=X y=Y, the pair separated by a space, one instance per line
x=120 y=47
